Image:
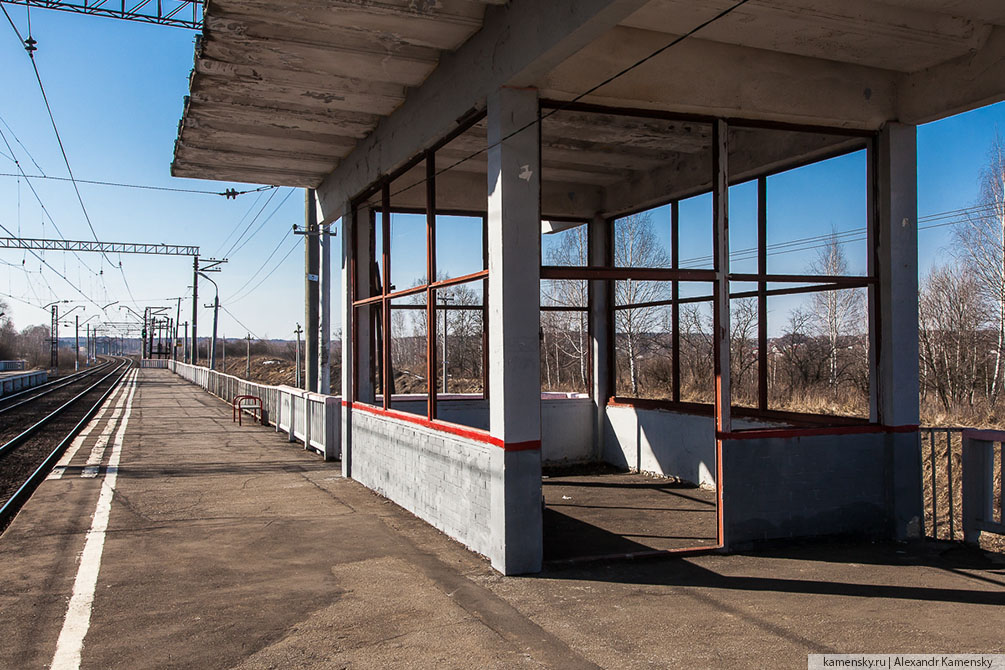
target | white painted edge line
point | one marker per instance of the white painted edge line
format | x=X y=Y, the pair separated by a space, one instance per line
x=70 y=644
x=78 y=442
x=98 y=450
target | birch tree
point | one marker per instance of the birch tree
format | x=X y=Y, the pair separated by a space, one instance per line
x=981 y=242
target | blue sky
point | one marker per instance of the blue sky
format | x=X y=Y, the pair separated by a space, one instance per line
x=117 y=89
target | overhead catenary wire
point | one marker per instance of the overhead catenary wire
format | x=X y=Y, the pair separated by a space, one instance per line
x=38 y=198
x=58 y=273
x=230 y=193
x=250 y=224
x=935 y=220
x=262 y=224
x=250 y=291
x=248 y=330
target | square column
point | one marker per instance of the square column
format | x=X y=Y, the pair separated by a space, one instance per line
x=599 y=255
x=894 y=332
x=514 y=246
x=348 y=333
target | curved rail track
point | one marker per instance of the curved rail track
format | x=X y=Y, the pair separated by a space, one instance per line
x=27 y=457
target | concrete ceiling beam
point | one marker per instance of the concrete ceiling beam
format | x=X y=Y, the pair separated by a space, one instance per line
x=224 y=28
x=714 y=79
x=324 y=60
x=210 y=138
x=518 y=44
x=315 y=100
x=863 y=32
x=960 y=85
x=239 y=157
x=445 y=24
x=194 y=170
x=243 y=110
x=985 y=11
x=268 y=133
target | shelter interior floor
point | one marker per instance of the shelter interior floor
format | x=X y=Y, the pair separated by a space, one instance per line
x=610 y=513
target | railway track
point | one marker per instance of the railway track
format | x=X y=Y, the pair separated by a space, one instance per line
x=14 y=400
x=36 y=431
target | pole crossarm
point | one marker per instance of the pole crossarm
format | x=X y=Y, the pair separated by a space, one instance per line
x=175 y=13
x=100 y=247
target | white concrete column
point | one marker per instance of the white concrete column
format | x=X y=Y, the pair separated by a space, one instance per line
x=600 y=335
x=514 y=246
x=896 y=267
x=348 y=332
x=364 y=366
x=894 y=331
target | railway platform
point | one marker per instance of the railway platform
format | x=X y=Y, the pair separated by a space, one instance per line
x=172 y=538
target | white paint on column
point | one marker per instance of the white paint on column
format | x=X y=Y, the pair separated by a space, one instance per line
x=78 y=442
x=70 y=644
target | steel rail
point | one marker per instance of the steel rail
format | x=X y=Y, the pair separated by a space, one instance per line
x=20 y=497
x=28 y=432
x=49 y=387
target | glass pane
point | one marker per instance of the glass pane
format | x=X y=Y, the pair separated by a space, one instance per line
x=818 y=355
x=408 y=251
x=460 y=339
x=458 y=246
x=643 y=240
x=696 y=225
x=565 y=351
x=565 y=247
x=743 y=227
x=817 y=217
x=408 y=346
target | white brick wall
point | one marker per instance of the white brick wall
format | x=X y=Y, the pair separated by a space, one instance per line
x=440 y=477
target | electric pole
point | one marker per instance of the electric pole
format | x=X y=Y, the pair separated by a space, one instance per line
x=247 y=360
x=195 y=311
x=223 y=363
x=201 y=267
x=298 y=331
x=76 y=343
x=185 y=358
x=312 y=253
x=174 y=333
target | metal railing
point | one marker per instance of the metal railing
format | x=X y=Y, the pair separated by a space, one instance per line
x=311 y=418
x=6 y=366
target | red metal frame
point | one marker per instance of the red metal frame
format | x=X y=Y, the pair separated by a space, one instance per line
x=238 y=407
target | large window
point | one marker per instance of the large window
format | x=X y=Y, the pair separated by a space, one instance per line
x=420 y=278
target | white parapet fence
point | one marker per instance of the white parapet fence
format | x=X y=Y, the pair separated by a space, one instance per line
x=311 y=418
x=154 y=363
x=14 y=383
x=983 y=496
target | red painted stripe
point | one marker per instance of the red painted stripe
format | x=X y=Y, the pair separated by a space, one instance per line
x=447 y=427
x=766 y=433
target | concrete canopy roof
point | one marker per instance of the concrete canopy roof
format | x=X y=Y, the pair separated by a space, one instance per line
x=281 y=91
x=335 y=93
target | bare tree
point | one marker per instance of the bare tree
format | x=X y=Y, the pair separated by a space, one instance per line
x=953 y=315
x=743 y=349
x=835 y=314
x=636 y=245
x=566 y=332
x=981 y=241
